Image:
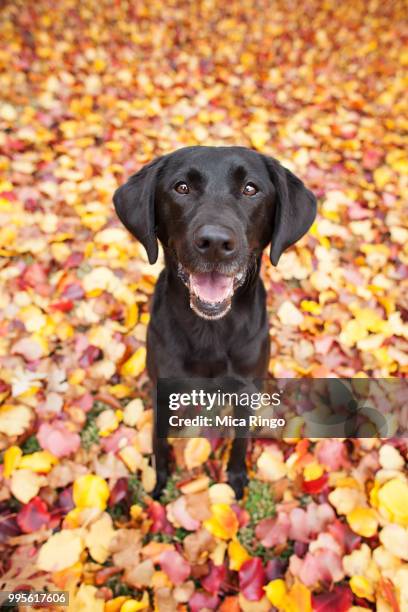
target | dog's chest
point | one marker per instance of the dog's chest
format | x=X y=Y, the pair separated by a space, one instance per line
x=215 y=354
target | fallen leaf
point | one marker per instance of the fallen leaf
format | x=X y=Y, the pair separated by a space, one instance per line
x=50 y=557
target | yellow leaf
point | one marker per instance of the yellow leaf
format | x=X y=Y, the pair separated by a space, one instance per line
x=221 y=493
x=100 y=279
x=276 y=592
x=145 y=318
x=148 y=478
x=64 y=331
x=363 y=521
x=25 y=484
x=393 y=501
x=114 y=605
x=76 y=376
x=289 y=314
x=132 y=312
x=196 y=452
x=271 y=466
x=370 y=319
x=133 y=411
x=86 y=600
x=299 y=599
x=353 y=332
x=12 y=458
x=99 y=538
x=395 y=539
x=310 y=306
x=136 y=364
x=131 y=458
x=120 y=391
x=63 y=579
x=107 y=422
x=223 y=523
x=62 y=550
x=73 y=518
x=382 y=176
x=237 y=555
x=217 y=555
x=362 y=587
x=313 y=471
x=90 y=491
x=258 y=134
x=135 y=511
x=14 y=420
x=133 y=605
x=7 y=236
x=41 y=461
x=33 y=318
x=246 y=605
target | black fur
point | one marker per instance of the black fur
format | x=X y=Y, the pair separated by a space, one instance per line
x=179 y=342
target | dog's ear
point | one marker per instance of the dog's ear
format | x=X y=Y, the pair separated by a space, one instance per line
x=295 y=208
x=134 y=205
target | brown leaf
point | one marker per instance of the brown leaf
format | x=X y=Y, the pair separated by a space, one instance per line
x=198 y=545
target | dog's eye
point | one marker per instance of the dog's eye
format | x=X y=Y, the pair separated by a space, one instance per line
x=182 y=188
x=250 y=189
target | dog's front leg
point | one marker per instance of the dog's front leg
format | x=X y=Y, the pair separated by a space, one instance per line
x=161 y=448
x=236 y=469
x=161 y=459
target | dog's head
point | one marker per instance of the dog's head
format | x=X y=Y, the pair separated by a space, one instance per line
x=215 y=209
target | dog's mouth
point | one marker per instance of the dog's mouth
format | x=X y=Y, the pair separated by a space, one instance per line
x=211 y=292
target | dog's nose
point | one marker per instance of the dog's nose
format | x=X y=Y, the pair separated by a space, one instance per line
x=215 y=242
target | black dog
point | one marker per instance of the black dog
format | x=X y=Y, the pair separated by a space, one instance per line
x=214 y=209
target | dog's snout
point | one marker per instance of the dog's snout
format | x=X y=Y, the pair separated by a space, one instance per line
x=215 y=242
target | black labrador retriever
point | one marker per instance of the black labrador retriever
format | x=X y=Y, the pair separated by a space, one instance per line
x=214 y=210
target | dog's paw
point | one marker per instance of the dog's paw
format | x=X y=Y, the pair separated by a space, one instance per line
x=161 y=480
x=238 y=481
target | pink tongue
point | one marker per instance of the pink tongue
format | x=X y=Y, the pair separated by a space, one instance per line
x=212 y=286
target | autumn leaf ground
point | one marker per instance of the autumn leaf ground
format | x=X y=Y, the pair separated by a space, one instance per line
x=90 y=92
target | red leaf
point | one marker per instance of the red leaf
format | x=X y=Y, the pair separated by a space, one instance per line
x=74 y=260
x=104 y=574
x=344 y=536
x=57 y=439
x=275 y=568
x=35 y=275
x=119 y=492
x=8 y=527
x=214 y=579
x=65 y=501
x=175 y=566
x=203 y=601
x=273 y=531
x=73 y=291
x=315 y=486
x=85 y=402
x=252 y=579
x=332 y=453
x=63 y=306
x=242 y=515
x=33 y=516
x=157 y=513
x=339 y=599
x=89 y=356
x=112 y=443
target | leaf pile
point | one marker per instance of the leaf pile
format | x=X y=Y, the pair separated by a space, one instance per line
x=90 y=92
